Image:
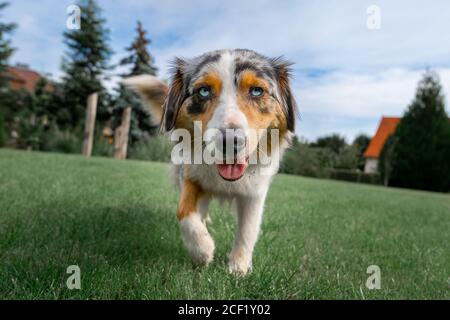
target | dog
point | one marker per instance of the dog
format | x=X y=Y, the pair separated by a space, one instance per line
x=237 y=90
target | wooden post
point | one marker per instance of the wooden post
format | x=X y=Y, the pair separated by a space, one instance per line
x=89 y=126
x=121 y=135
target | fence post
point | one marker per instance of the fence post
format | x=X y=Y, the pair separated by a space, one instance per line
x=121 y=135
x=89 y=126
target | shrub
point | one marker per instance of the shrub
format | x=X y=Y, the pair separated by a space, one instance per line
x=55 y=140
x=151 y=148
x=2 y=128
x=348 y=158
x=101 y=146
x=304 y=160
x=355 y=176
x=30 y=130
x=372 y=178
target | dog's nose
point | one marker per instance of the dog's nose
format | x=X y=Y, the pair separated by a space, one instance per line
x=232 y=142
x=236 y=144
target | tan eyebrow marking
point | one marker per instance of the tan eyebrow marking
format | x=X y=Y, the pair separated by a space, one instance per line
x=211 y=79
x=249 y=79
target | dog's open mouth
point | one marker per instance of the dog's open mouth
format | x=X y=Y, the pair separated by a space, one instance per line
x=234 y=171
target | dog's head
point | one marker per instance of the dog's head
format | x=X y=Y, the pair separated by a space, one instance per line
x=231 y=89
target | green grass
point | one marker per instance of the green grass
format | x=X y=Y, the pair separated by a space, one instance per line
x=116 y=220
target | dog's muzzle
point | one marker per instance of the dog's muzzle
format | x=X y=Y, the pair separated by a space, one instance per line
x=231 y=149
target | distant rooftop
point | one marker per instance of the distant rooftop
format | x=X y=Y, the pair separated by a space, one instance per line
x=385 y=130
x=21 y=76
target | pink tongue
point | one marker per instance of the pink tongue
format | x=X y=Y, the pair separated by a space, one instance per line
x=231 y=171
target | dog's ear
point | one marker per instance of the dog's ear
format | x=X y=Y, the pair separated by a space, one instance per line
x=283 y=73
x=177 y=93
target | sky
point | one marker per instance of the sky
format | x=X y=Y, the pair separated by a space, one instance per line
x=354 y=61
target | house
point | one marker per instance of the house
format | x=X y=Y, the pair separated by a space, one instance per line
x=22 y=77
x=372 y=154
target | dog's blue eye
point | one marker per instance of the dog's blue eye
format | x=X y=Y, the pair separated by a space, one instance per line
x=204 y=92
x=256 y=91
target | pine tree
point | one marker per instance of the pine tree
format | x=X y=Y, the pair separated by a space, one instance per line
x=141 y=62
x=85 y=63
x=421 y=156
x=5 y=53
x=386 y=159
x=5 y=44
x=361 y=143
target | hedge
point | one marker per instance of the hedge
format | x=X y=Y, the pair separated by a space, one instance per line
x=355 y=176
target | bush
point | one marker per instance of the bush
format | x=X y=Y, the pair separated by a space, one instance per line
x=101 y=146
x=154 y=148
x=31 y=131
x=2 y=128
x=355 y=176
x=311 y=162
x=371 y=178
x=55 y=140
x=347 y=158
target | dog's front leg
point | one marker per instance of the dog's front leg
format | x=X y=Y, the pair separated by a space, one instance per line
x=250 y=211
x=192 y=215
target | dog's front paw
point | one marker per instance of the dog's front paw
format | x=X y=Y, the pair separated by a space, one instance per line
x=240 y=263
x=201 y=249
x=197 y=240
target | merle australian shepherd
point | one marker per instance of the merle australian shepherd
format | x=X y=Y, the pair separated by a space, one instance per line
x=238 y=90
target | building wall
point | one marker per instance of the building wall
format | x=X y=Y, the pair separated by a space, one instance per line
x=371 y=165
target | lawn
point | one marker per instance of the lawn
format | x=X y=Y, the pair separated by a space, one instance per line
x=116 y=221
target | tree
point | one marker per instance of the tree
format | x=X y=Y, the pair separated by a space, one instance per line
x=33 y=116
x=5 y=44
x=2 y=128
x=5 y=53
x=140 y=59
x=141 y=62
x=361 y=143
x=421 y=157
x=386 y=158
x=333 y=142
x=85 y=63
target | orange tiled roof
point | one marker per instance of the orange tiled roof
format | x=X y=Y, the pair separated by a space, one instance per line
x=24 y=78
x=385 y=129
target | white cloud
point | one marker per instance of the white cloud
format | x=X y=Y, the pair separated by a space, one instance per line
x=359 y=95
